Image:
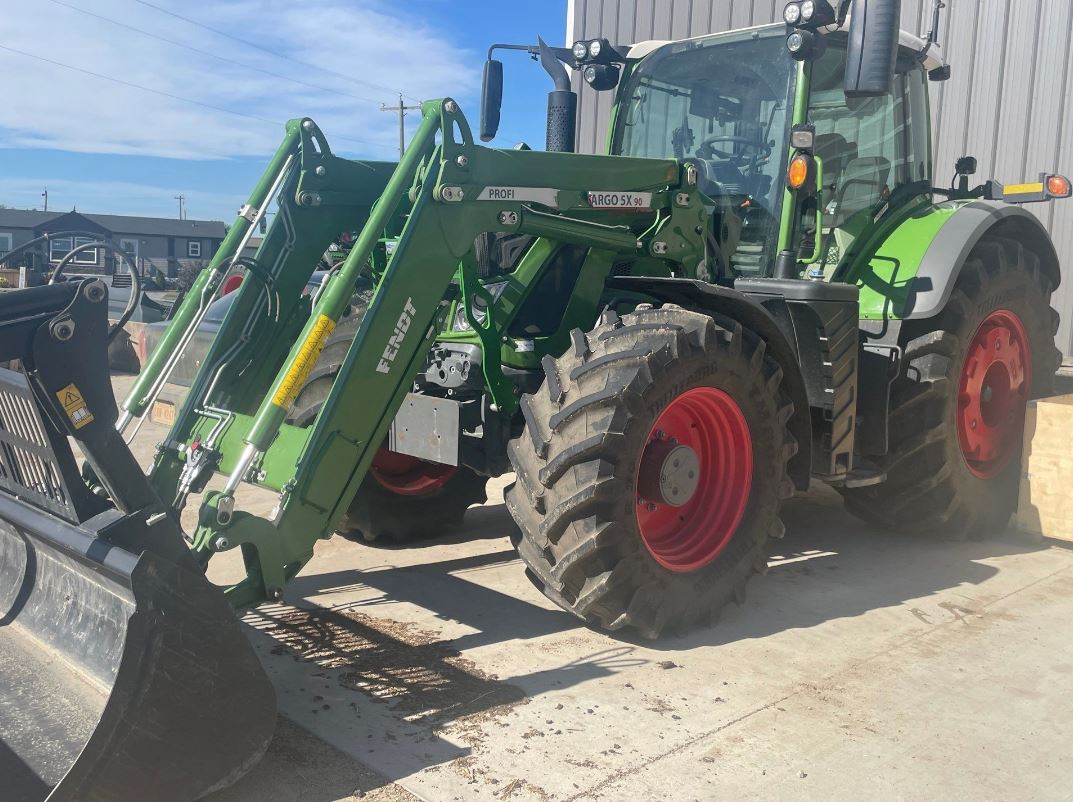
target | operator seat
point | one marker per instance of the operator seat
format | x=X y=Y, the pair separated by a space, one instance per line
x=716 y=177
x=836 y=152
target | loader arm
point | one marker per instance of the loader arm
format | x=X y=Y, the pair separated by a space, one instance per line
x=445 y=192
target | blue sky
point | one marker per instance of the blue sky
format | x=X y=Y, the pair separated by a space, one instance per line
x=110 y=147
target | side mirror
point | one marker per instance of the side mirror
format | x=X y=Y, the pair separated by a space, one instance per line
x=873 y=47
x=491 y=99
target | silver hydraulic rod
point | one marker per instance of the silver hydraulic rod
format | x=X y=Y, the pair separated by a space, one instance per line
x=207 y=297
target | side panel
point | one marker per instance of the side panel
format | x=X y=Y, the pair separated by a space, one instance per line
x=885 y=268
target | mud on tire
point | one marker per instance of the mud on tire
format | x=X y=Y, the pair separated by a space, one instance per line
x=575 y=495
x=931 y=486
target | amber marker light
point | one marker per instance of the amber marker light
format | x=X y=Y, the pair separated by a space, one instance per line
x=1058 y=186
x=797 y=174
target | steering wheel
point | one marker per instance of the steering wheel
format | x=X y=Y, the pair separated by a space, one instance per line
x=763 y=149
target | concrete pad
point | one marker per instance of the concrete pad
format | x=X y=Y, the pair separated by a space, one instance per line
x=865 y=664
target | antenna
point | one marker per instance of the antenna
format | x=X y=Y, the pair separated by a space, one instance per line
x=933 y=35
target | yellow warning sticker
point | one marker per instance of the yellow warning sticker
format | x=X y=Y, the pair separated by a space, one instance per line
x=1024 y=189
x=304 y=362
x=75 y=406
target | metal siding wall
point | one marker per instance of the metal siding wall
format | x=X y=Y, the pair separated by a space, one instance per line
x=1008 y=102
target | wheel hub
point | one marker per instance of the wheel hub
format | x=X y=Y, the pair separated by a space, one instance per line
x=670 y=473
x=993 y=392
x=694 y=479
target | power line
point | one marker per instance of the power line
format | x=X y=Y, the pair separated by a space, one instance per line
x=161 y=92
x=402 y=108
x=275 y=53
x=208 y=53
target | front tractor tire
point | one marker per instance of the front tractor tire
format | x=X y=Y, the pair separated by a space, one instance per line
x=958 y=408
x=651 y=470
x=403 y=498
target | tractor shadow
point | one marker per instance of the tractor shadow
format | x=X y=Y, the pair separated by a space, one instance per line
x=829 y=566
x=407 y=700
x=390 y=694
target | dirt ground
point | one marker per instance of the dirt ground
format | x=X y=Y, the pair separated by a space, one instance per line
x=864 y=665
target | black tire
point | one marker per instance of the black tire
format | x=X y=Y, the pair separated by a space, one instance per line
x=576 y=486
x=377 y=513
x=930 y=486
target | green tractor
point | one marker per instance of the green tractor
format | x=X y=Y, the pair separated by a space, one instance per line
x=759 y=285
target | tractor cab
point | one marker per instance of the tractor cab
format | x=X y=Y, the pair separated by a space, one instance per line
x=741 y=108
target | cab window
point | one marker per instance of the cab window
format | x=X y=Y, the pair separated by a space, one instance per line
x=869 y=147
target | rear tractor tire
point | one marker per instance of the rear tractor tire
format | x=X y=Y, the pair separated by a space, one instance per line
x=651 y=470
x=402 y=499
x=958 y=408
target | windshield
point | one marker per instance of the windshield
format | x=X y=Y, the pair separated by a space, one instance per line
x=726 y=102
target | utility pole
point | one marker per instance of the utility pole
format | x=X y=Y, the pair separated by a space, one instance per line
x=45 y=196
x=182 y=210
x=402 y=108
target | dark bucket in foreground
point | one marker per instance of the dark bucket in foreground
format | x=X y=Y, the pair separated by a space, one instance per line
x=124 y=673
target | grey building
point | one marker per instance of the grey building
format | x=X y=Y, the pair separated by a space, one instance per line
x=1008 y=102
x=160 y=243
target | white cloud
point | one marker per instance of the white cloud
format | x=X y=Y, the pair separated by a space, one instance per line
x=47 y=106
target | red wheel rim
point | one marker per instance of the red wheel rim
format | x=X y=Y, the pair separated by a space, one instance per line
x=993 y=393
x=707 y=430
x=409 y=476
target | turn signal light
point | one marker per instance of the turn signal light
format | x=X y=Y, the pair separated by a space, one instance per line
x=1058 y=186
x=799 y=171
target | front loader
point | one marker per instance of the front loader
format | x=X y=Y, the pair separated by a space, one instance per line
x=759 y=285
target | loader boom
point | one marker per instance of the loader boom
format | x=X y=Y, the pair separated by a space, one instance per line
x=444 y=193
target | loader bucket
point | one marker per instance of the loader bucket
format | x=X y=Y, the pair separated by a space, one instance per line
x=124 y=673
x=122 y=677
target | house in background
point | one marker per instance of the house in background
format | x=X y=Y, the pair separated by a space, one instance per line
x=156 y=244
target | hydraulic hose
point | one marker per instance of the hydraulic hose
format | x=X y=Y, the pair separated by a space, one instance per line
x=136 y=292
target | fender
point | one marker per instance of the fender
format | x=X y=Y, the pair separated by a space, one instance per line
x=941 y=265
x=912 y=271
x=705 y=297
